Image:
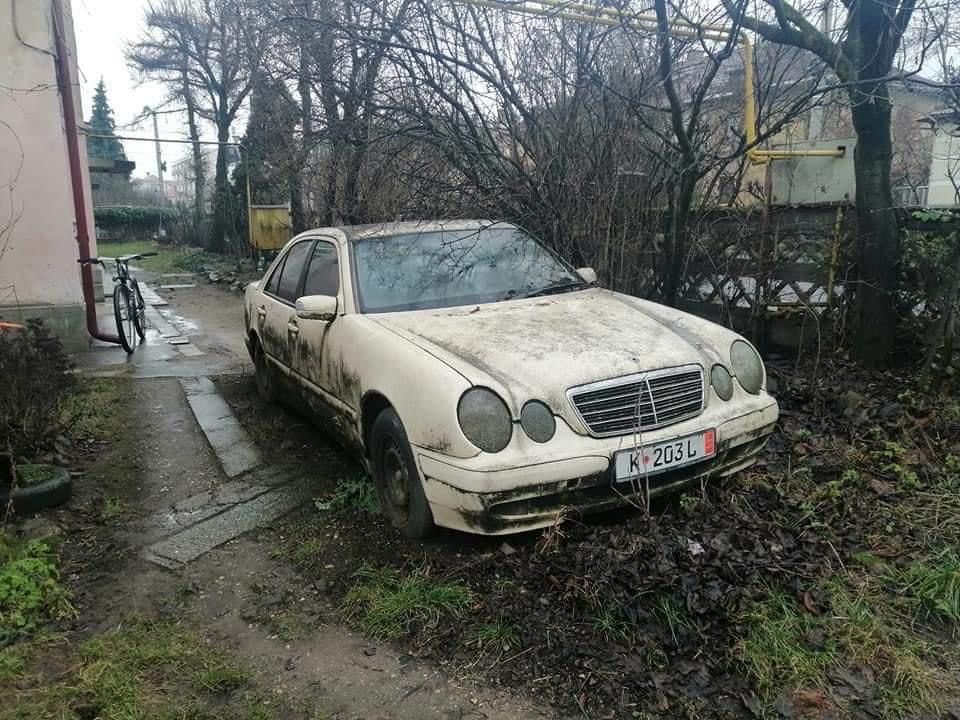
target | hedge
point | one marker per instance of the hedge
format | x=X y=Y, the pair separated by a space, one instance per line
x=126 y=216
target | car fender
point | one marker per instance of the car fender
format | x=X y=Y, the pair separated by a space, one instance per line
x=422 y=389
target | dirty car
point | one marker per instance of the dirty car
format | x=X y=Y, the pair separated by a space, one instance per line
x=488 y=386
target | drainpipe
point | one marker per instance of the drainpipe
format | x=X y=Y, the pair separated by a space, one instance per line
x=64 y=85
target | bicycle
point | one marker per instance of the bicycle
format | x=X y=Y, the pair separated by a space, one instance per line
x=129 y=309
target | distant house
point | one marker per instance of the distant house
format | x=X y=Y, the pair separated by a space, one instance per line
x=943 y=187
x=39 y=274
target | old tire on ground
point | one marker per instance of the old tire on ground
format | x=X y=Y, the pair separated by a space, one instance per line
x=266 y=383
x=397 y=479
x=27 y=499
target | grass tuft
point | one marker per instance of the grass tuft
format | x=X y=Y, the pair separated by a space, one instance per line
x=388 y=603
x=499 y=634
x=611 y=625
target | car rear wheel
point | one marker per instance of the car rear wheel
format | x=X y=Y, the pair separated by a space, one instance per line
x=266 y=387
x=397 y=479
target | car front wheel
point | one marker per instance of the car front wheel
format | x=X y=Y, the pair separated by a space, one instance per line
x=397 y=479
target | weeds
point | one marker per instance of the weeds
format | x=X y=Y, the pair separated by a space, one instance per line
x=30 y=590
x=388 y=604
x=353 y=494
x=113 y=509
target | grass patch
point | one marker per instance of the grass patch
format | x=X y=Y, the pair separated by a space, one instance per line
x=96 y=409
x=499 y=635
x=357 y=493
x=146 y=669
x=30 y=591
x=388 y=604
x=934 y=587
x=164 y=262
x=786 y=649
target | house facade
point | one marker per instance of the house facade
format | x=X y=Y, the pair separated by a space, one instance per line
x=39 y=274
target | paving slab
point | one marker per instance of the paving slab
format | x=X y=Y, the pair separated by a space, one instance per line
x=230 y=442
x=183 y=547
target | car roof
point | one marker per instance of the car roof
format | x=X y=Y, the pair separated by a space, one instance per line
x=372 y=230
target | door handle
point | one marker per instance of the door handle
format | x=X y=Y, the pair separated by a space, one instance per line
x=262 y=311
x=292 y=328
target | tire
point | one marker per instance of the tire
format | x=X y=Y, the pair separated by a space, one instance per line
x=266 y=382
x=32 y=498
x=122 y=314
x=397 y=479
x=140 y=310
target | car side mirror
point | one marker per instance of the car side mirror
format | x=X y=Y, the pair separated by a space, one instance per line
x=587 y=274
x=317 y=307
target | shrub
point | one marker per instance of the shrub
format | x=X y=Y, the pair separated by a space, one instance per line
x=34 y=381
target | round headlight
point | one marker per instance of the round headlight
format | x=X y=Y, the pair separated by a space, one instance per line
x=485 y=419
x=747 y=366
x=722 y=382
x=537 y=421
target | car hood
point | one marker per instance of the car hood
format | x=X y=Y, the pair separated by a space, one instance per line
x=540 y=347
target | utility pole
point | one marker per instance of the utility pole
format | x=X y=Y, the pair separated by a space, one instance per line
x=156 y=141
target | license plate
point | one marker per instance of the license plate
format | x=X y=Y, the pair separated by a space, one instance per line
x=662 y=456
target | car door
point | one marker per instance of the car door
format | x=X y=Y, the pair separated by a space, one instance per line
x=279 y=328
x=315 y=354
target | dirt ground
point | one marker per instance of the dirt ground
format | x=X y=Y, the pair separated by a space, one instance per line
x=778 y=594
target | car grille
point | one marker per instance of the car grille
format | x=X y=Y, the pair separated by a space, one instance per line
x=661 y=398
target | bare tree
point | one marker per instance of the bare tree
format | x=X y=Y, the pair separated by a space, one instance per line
x=209 y=52
x=862 y=56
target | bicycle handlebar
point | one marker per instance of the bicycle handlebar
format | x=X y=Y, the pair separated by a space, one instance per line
x=122 y=258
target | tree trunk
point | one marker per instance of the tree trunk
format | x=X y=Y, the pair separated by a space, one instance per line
x=298 y=212
x=877 y=225
x=198 y=169
x=218 y=232
x=677 y=235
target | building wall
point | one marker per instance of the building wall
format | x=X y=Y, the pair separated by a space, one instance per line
x=945 y=190
x=39 y=275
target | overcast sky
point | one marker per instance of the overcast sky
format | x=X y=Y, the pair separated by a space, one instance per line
x=103 y=29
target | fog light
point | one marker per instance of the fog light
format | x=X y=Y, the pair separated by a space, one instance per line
x=537 y=421
x=722 y=382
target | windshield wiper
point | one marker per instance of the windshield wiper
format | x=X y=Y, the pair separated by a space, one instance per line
x=557 y=288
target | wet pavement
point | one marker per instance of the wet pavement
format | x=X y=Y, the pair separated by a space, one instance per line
x=193 y=347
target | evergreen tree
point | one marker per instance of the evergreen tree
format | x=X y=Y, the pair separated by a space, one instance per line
x=101 y=123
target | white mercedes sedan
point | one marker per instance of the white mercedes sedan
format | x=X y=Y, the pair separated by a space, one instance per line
x=488 y=386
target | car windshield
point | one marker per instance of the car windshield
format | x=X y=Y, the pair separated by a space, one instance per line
x=445 y=268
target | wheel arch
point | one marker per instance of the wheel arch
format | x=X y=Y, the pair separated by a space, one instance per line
x=371 y=405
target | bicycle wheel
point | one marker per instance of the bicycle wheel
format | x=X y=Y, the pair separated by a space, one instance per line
x=140 y=309
x=123 y=313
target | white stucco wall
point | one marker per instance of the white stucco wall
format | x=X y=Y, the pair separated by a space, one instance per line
x=37 y=230
x=944 y=162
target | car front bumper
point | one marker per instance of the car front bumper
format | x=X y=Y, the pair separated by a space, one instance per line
x=526 y=488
